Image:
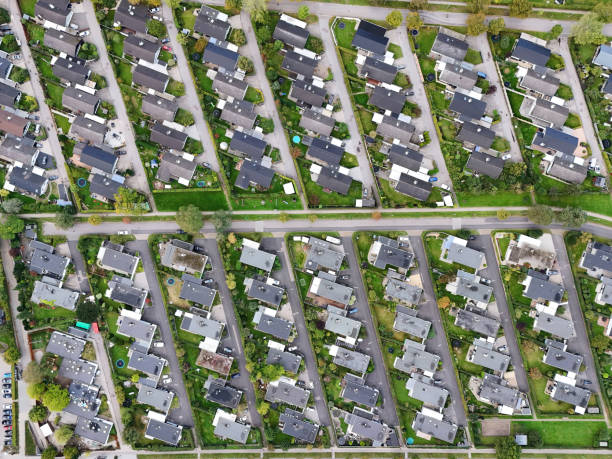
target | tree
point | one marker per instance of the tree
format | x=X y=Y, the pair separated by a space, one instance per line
x=12 y=206
x=443 y=302
x=588 y=30
x=540 y=214
x=72 y=452
x=156 y=28
x=49 y=453
x=63 y=434
x=263 y=408
x=222 y=221
x=556 y=31
x=239 y=37
x=496 y=26
x=200 y=44
x=313 y=218
x=12 y=354
x=419 y=4
x=478 y=6
x=394 y=18
x=256 y=8
x=135 y=378
x=94 y=220
x=10 y=226
x=534 y=439
x=88 y=311
x=414 y=21
x=230 y=280
x=603 y=11
x=56 y=398
x=33 y=373
x=303 y=12
x=64 y=218
x=245 y=64
x=520 y=8
x=129 y=201
x=600 y=343
x=131 y=434
x=315 y=44
x=233 y=4
x=36 y=391
x=189 y=218
x=502 y=214
x=506 y=448
x=283 y=217
x=476 y=24
x=535 y=373
x=38 y=413
x=572 y=217
x=119 y=394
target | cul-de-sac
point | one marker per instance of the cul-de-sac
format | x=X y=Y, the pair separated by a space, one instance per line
x=327 y=229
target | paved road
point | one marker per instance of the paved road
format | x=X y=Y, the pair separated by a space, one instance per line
x=79 y=266
x=370 y=344
x=438 y=343
x=217 y=273
x=484 y=243
x=139 y=180
x=156 y=314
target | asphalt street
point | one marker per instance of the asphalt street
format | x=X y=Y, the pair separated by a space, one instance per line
x=79 y=266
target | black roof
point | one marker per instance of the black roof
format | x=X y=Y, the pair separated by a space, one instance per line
x=556 y=140
x=98 y=158
x=133 y=17
x=221 y=57
x=483 y=163
x=305 y=91
x=25 y=180
x=298 y=63
x=150 y=78
x=253 y=172
x=450 y=46
x=468 y=107
x=326 y=152
x=250 y=146
x=378 y=70
x=290 y=34
x=413 y=187
x=405 y=157
x=371 y=37
x=476 y=134
x=168 y=137
x=332 y=179
x=8 y=94
x=531 y=52
x=72 y=70
x=103 y=186
x=207 y=23
x=388 y=99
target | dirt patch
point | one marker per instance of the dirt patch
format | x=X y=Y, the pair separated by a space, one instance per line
x=495 y=427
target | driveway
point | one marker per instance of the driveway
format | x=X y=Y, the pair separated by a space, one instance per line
x=79 y=266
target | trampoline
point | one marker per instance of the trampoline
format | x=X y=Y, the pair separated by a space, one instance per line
x=200 y=183
x=296 y=139
x=120 y=363
x=410 y=441
x=170 y=281
x=341 y=25
x=81 y=182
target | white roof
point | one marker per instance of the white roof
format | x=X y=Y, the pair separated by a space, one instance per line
x=46 y=430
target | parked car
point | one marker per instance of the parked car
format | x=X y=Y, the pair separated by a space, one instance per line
x=84 y=33
x=7 y=386
x=235 y=375
x=7 y=380
x=180 y=231
x=165 y=40
x=433 y=179
x=444 y=186
x=292 y=348
x=121 y=152
x=7 y=422
x=208 y=281
x=506 y=157
x=227 y=350
x=587 y=381
x=167 y=48
x=158 y=344
x=8 y=442
x=353 y=310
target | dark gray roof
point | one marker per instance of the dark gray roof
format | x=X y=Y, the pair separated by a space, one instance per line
x=103 y=186
x=540 y=288
x=208 y=23
x=47 y=263
x=555 y=325
x=496 y=390
x=390 y=253
x=337 y=293
x=553 y=139
x=573 y=395
x=603 y=56
x=528 y=51
x=423 y=389
x=467 y=107
x=221 y=57
x=370 y=37
x=146 y=48
x=98 y=158
x=159 y=108
x=450 y=46
x=458 y=76
x=305 y=91
x=133 y=17
x=342 y=325
x=477 y=322
x=137 y=329
x=65 y=345
x=147 y=363
x=240 y=113
x=606 y=88
x=415 y=357
x=405 y=157
x=285 y=392
x=564 y=168
x=88 y=129
x=413 y=187
x=248 y=145
x=5 y=67
x=72 y=70
x=25 y=181
x=175 y=167
x=375 y=69
x=325 y=152
x=84 y=400
x=164 y=431
x=168 y=137
x=52 y=295
x=62 y=42
x=353 y=360
x=440 y=429
x=355 y=390
x=483 y=163
x=544 y=82
x=158 y=398
x=323 y=254
x=317 y=122
x=78 y=370
x=295 y=426
x=598 y=256
x=96 y=429
x=56 y=11
x=290 y=34
x=149 y=78
x=262 y=291
x=115 y=258
x=257 y=258
x=202 y=326
x=477 y=135
x=80 y=101
x=8 y=95
x=393 y=128
x=196 y=292
x=549 y=112
x=387 y=99
x=290 y=362
x=275 y=326
x=457 y=253
x=298 y=63
x=224 y=395
x=253 y=172
x=123 y=291
x=562 y=359
x=20 y=149
x=366 y=428
x=230 y=85
x=332 y=179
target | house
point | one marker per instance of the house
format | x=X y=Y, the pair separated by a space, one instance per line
x=423 y=389
x=468 y=285
x=564 y=389
x=355 y=390
x=65 y=345
x=344 y=326
x=164 y=431
x=323 y=254
x=306 y=92
x=149 y=364
x=246 y=145
x=539 y=253
x=603 y=57
x=597 y=259
x=26 y=180
x=131 y=17
x=96 y=430
x=544 y=112
x=88 y=130
x=294 y=424
x=145 y=48
x=479 y=323
x=402 y=292
x=332 y=179
x=405 y=157
x=317 y=122
x=413 y=187
x=212 y=23
x=80 y=101
x=62 y=42
x=222 y=394
x=176 y=167
x=557 y=356
x=330 y=293
x=291 y=32
x=151 y=78
x=285 y=390
x=299 y=63
x=552 y=140
x=9 y=96
x=325 y=153
x=448 y=47
x=387 y=99
x=544 y=83
x=84 y=397
x=6 y=67
x=466 y=107
x=289 y=361
x=539 y=288
x=194 y=290
x=495 y=391
x=168 y=137
x=142 y=332
x=370 y=38
x=394 y=128
x=482 y=353
x=20 y=151
x=159 y=108
x=530 y=53
x=52 y=294
x=254 y=173
x=556 y=326
x=406 y=321
x=57 y=11
x=95 y=159
x=202 y=326
x=230 y=86
x=376 y=70
x=275 y=326
x=220 y=57
x=347 y=358
x=251 y=255
x=264 y=291
x=114 y=257
x=361 y=425
x=483 y=163
x=73 y=71
x=239 y=113
x=455 y=250
x=416 y=358
x=431 y=424
x=156 y=397
x=104 y=188
x=122 y=290
x=13 y=124
x=182 y=256
x=226 y=427
x=564 y=167
x=606 y=89
x=457 y=76
x=476 y=135
x=388 y=252
x=46 y=262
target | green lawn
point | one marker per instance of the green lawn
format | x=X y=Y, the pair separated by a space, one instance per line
x=27 y=6
x=204 y=200
x=560 y=434
x=344 y=36
x=396 y=50
x=253 y=95
x=499 y=199
x=600 y=203
x=425 y=40
x=62 y=123
x=55 y=93
x=555 y=62
x=573 y=121
x=564 y=92
x=515 y=102
x=473 y=57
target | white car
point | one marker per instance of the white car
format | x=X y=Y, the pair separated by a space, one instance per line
x=444 y=186
x=123 y=232
x=506 y=157
x=158 y=344
x=84 y=33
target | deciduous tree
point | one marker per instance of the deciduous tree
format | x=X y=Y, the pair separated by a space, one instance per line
x=37 y=390
x=506 y=448
x=63 y=434
x=476 y=24
x=64 y=218
x=33 y=373
x=189 y=218
x=478 y=6
x=49 y=453
x=588 y=30
x=414 y=21
x=303 y=12
x=520 y=8
x=603 y=11
x=38 y=413
x=56 y=398
x=496 y=26
x=88 y=311
x=256 y=8
x=394 y=18
x=12 y=206
x=10 y=226
x=222 y=221
x=94 y=220
x=572 y=217
x=540 y=215
x=556 y=31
